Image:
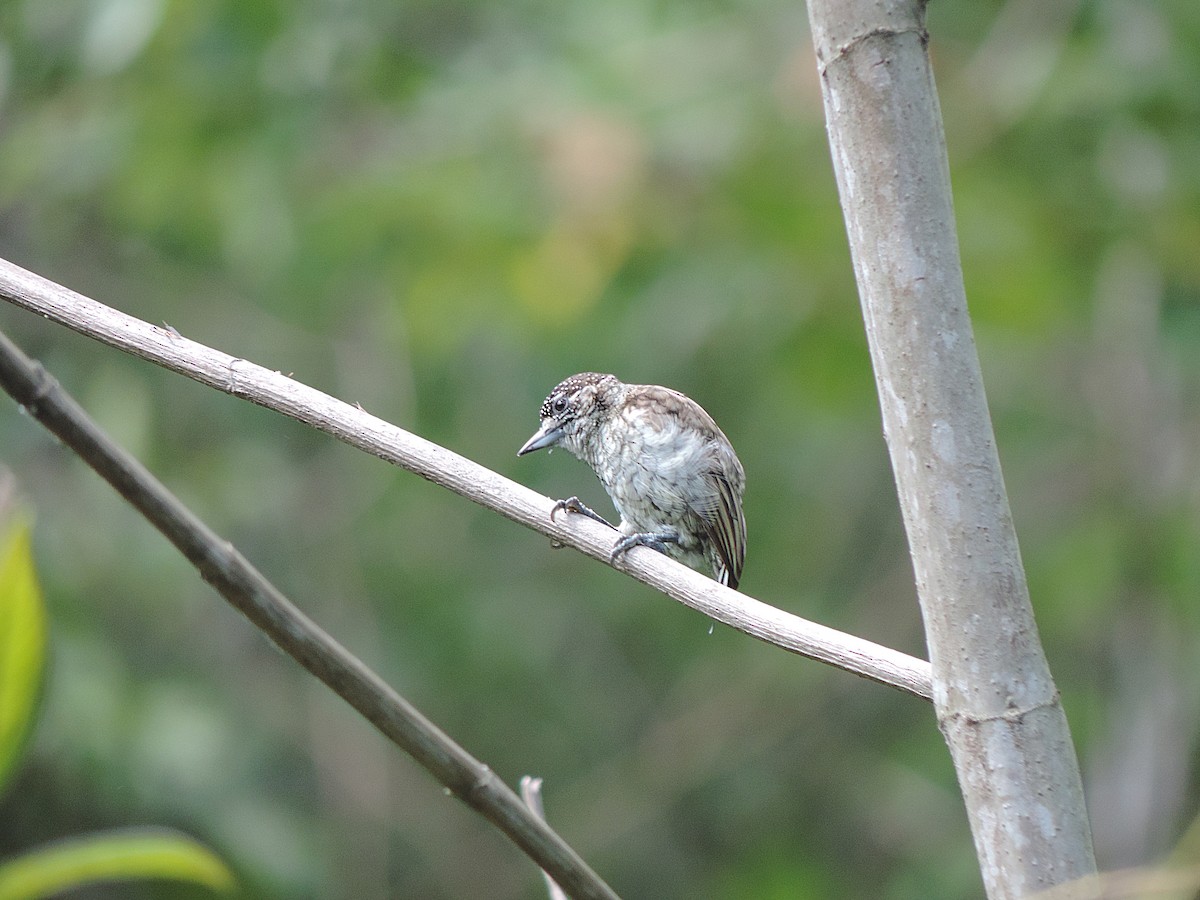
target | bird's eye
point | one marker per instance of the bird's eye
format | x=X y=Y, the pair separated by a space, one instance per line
x=559 y=406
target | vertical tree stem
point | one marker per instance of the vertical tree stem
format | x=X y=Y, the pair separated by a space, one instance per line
x=995 y=699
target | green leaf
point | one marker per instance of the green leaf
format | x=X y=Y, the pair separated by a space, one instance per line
x=22 y=646
x=112 y=856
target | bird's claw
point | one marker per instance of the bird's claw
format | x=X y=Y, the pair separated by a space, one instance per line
x=575 y=505
x=654 y=540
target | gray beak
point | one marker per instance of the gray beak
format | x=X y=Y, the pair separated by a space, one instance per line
x=546 y=436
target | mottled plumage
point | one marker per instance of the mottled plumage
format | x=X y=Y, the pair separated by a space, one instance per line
x=670 y=471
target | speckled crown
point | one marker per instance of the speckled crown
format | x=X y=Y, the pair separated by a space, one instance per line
x=571 y=385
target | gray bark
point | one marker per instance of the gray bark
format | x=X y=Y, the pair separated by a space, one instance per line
x=995 y=699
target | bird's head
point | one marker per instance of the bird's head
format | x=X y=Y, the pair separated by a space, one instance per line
x=573 y=411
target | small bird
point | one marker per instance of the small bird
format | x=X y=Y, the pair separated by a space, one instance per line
x=670 y=471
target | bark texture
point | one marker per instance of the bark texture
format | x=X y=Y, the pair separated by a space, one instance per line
x=995 y=699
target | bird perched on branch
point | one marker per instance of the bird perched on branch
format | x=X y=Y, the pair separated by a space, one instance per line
x=670 y=471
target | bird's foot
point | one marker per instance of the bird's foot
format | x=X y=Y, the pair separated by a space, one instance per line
x=575 y=505
x=655 y=540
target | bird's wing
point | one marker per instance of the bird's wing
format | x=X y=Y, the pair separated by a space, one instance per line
x=726 y=527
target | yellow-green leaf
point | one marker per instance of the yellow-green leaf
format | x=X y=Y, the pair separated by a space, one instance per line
x=112 y=856
x=22 y=645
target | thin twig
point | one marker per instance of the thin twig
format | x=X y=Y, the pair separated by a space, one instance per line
x=531 y=793
x=167 y=348
x=251 y=594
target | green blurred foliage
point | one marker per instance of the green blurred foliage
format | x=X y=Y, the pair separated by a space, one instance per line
x=438 y=211
x=22 y=635
x=117 y=856
x=114 y=855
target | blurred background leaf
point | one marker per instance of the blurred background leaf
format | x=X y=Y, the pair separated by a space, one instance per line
x=111 y=856
x=439 y=211
x=22 y=635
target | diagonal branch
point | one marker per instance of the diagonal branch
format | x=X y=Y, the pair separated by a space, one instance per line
x=250 y=593
x=165 y=347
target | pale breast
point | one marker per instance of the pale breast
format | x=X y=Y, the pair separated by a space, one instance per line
x=655 y=470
